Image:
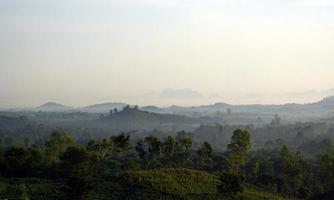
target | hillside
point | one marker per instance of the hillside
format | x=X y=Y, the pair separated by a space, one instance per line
x=176 y=184
x=135 y=119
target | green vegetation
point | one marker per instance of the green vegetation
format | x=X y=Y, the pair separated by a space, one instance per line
x=160 y=169
x=174 y=166
x=175 y=183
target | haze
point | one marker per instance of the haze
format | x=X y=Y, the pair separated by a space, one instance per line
x=240 y=51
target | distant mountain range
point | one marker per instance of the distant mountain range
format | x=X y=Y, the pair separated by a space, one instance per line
x=325 y=105
x=97 y=108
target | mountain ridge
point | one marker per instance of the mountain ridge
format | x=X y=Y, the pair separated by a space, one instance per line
x=325 y=103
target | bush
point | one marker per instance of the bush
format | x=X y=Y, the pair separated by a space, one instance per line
x=230 y=184
x=168 y=183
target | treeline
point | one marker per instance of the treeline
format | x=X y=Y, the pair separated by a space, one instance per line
x=151 y=168
x=308 y=138
x=17 y=130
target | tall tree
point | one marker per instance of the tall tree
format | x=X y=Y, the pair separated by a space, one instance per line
x=121 y=143
x=141 y=150
x=154 y=150
x=326 y=169
x=237 y=150
x=169 y=146
x=184 y=144
x=100 y=150
x=288 y=171
x=57 y=144
x=204 y=155
x=76 y=165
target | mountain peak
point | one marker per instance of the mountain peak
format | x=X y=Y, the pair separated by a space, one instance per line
x=53 y=107
x=50 y=104
x=221 y=104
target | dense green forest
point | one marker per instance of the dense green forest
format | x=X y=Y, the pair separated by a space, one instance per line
x=154 y=168
x=47 y=155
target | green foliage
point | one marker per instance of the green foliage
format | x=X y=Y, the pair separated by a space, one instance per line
x=141 y=151
x=75 y=162
x=230 y=184
x=174 y=184
x=154 y=146
x=169 y=146
x=255 y=193
x=30 y=188
x=161 y=169
x=168 y=182
x=99 y=150
x=240 y=144
x=16 y=191
x=288 y=172
x=326 y=169
x=170 y=152
x=20 y=162
x=121 y=143
x=184 y=144
x=204 y=155
x=57 y=144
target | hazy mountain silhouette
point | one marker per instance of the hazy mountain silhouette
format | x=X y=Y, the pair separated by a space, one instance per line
x=327 y=104
x=131 y=118
x=133 y=114
x=53 y=107
x=153 y=109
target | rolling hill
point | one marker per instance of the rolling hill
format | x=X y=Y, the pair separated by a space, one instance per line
x=131 y=118
x=53 y=107
x=325 y=105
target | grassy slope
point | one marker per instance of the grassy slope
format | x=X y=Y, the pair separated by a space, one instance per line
x=37 y=189
x=176 y=184
x=144 y=184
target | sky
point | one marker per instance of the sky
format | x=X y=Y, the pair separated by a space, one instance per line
x=80 y=52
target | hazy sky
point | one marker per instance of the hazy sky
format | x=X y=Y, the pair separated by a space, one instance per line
x=79 y=52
